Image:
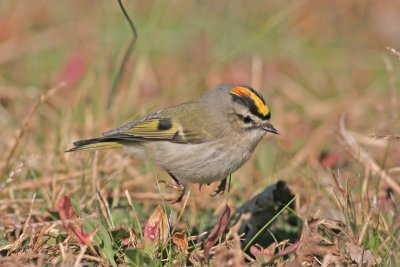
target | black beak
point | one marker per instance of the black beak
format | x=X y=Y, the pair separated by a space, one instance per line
x=269 y=128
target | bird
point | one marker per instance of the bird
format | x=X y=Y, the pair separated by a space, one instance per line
x=200 y=141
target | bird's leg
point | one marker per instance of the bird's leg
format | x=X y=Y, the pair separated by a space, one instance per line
x=178 y=186
x=221 y=188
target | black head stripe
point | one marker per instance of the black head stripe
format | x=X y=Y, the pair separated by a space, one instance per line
x=249 y=103
x=255 y=92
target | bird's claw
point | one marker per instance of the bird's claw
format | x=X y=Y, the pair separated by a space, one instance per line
x=177 y=186
x=220 y=189
x=174 y=186
x=178 y=199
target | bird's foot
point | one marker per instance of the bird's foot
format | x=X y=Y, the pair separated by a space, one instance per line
x=181 y=192
x=178 y=186
x=221 y=188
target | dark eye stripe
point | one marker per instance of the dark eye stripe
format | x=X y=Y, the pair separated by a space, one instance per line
x=246 y=119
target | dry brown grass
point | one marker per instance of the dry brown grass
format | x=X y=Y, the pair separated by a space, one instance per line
x=324 y=69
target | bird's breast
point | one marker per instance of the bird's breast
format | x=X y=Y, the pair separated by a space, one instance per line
x=202 y=163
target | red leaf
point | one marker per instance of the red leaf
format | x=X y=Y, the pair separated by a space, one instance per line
x=126 y=241
x=181 y=241
x=289 y=249
x=84 y=239
x=218 y=230
x=73 y=70
x=66 y=210
x=269 y=252
x=331 y=160
x=156 y=227
x=67 y=216
x=264 y=252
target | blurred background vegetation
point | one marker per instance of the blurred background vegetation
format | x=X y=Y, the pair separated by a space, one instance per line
x=313 y=61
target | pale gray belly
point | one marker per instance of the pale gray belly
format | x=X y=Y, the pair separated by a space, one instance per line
x=199 y=163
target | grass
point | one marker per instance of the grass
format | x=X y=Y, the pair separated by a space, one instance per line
x=324 y=69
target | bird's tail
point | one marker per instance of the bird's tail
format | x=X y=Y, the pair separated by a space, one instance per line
x=96 y=144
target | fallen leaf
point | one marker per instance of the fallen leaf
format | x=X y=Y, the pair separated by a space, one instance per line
x=331 y=159
x=66 y=210
x=120 y=234
x=217 y=231
x=361 y=256
x=67 y=216
x=263 y=252
x=313 y=244
x=288 y=249
x=230 y=255
x=268 y=254
x=156 y=228
x=181 y=241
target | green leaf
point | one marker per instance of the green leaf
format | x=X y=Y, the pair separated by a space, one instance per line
x=119 y=234
x=135 y=257
x=103 y=241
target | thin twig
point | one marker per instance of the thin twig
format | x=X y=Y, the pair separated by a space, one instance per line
x=268 y=223
x=118 y=75
x=393 y=51
x=46 y=223
x=128 y=196
x=180 y=215
x=360 y=154
x=26 y=121
x=80 y=256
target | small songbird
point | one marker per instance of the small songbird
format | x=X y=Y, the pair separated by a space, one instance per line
x=200 y=141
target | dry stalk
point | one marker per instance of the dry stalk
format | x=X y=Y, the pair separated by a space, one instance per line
x=393 y=51
x=51 y=224
x=44 y=181
x=80 y=256
x=27 y=120
x=386 y=137
x=179 y=216
x=361 y=155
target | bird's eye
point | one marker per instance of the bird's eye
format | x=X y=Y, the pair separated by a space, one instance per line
x=245 y=119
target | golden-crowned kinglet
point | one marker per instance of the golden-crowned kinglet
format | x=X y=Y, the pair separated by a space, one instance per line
x=200 y=141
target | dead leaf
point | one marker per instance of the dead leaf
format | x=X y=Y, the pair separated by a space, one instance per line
x=294 y=263
x=331 y=159
x=217 y=231
x=181 y=241
x=313 y=243
x=229 y=255
x=121 y=234
x=157 y=227
x=361 y=256
x=67 y=216
x=268 y=254
x=265 y=253
x=66 y=210
x=288 y=249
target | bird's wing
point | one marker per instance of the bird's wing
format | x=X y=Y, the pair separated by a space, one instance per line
x=131 y=124
x=157 y=127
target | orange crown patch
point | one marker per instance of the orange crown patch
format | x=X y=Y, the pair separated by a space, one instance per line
x=241 y=91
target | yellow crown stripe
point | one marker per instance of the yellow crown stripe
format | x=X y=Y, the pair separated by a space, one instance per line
x=245 y=92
